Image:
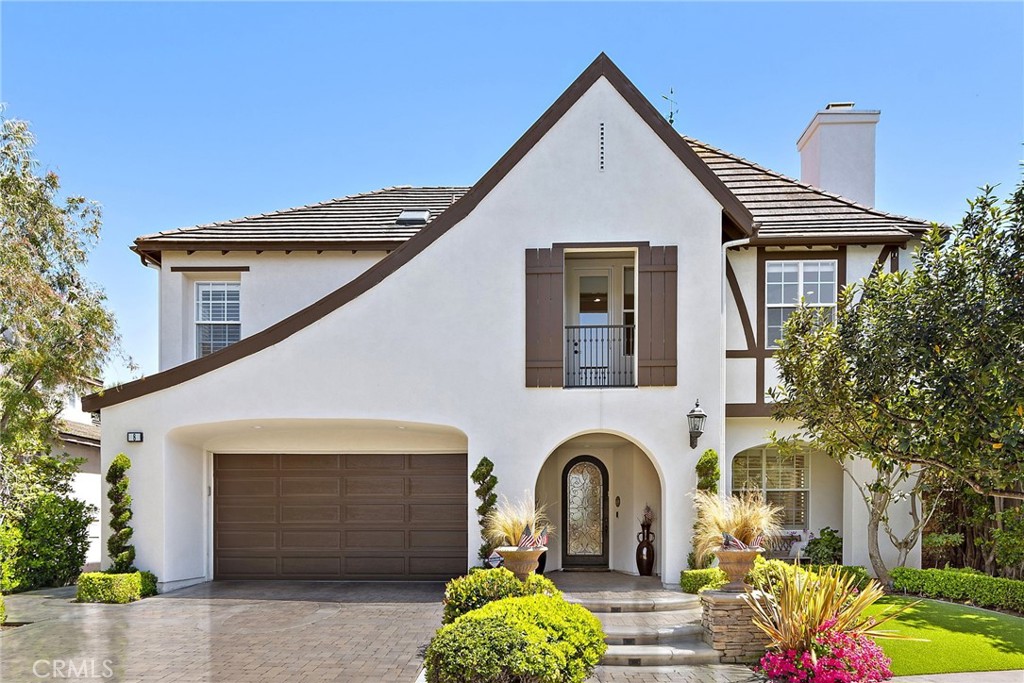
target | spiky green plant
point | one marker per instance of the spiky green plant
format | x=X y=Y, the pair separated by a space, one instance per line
x=792 y=607
x=505 y=524
x=746 y=516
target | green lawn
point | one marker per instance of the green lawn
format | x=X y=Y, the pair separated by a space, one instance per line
x=961 y=638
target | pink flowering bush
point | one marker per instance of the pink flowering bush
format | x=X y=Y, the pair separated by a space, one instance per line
x=834 y=657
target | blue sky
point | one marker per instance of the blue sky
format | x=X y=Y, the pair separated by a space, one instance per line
x=172 y=114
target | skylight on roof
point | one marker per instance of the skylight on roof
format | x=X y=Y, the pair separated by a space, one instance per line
x=413 y=217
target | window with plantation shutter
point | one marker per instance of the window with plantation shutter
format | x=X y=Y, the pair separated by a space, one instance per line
x=218 y=316
x=785 y=480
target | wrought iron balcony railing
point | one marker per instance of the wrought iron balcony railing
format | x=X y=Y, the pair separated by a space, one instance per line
x=599 y=356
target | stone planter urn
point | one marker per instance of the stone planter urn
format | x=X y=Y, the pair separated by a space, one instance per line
x=520 y=561
x=736 y=564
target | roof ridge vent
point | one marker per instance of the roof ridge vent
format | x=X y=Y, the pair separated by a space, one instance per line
x=413 y=217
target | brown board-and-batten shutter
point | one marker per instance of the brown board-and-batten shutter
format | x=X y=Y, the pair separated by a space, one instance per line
x=656 y=317
x=545 y=323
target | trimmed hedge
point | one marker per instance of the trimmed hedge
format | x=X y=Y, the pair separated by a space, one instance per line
x=977 y=589
x=148 y=581
x=531 y=639
x=109 y=588
x=696 y=580
x=3 y=610
x=467 y=593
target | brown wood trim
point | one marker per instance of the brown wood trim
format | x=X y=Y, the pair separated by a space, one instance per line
x=885 y=254
x=600 y=245
x=748 y=410
x=737 y=296
x=602 y=67
x=154 y=247
x=894 y=260
x=749 y=353
x=828 y=241
x=209 y=269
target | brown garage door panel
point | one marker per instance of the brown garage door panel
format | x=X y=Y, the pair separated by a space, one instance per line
x=311 y=516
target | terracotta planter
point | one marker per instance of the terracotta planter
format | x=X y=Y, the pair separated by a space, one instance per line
x=520 y=561
x=736 y=564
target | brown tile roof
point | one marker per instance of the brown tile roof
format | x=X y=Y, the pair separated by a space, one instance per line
x=363 y=221
x=790 y=211
x=786 y=210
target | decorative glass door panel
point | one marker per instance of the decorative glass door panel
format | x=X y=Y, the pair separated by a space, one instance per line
x=585 y=513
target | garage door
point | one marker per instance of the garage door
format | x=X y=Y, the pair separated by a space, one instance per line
x=361 y=517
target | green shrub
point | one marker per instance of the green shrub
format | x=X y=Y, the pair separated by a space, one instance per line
x=148 y=584
x=859 y=573
x=122 y=552
x=485 y=482
x=825 y=548
x=532 y=639
x=696 y=580
x=110 y=588
x=47 y=546
x=479 y=588
x=977 y=589
x=3 y=610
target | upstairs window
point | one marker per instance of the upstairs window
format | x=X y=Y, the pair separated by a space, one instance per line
x=789 y=282
x=784 y=481
x=218 y=316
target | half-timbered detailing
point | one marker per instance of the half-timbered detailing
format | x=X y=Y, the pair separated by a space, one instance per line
x=741 y=306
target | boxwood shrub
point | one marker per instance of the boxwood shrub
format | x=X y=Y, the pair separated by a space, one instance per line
x=110 y=588
x=148 y=581
x=977 y=589
x=3 y=610
x=484 y=586
x=696 y=580
x=531 y=639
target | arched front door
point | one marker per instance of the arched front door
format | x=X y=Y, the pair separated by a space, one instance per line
x=584 y=513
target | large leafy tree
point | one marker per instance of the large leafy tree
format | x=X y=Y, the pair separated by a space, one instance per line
x=55 y=329
x=921 y=371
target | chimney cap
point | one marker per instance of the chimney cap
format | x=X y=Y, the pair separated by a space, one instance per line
x=839 y=105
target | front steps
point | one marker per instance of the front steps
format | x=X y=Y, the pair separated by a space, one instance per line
x=649 y=628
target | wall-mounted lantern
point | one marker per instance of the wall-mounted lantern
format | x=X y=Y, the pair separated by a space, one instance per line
x=696 y=419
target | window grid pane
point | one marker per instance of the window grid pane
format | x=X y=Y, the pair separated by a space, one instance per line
x=218 y=316
x=789 y=282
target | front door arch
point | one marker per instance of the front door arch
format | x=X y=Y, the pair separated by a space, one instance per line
x=585 y=513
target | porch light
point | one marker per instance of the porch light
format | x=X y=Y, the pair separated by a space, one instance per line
x=696 y=419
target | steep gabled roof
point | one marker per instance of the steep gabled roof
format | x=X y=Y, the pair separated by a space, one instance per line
x=359 y=221
x=791 y=212
x=736 y=219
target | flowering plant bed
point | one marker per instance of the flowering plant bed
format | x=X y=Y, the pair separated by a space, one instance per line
x=834 y=657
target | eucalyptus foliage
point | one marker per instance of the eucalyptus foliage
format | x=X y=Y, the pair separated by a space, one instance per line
x=55 y=329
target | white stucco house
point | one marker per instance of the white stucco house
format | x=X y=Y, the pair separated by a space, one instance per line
x=330 y=374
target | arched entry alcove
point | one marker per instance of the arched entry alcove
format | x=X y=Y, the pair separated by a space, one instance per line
x=595 y=487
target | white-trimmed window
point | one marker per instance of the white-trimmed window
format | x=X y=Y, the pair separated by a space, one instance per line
x=787 y=282
x=218 y=316
x=784 y=480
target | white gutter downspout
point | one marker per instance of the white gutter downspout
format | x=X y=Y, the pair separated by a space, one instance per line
x=724 y=462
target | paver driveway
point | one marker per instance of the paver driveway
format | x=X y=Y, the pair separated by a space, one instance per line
x=229 y=632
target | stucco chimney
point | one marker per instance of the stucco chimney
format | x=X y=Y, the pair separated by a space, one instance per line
x=837 y=151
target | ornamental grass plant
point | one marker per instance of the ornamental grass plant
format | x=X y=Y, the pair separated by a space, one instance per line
x=748 y=517
x=509 y=522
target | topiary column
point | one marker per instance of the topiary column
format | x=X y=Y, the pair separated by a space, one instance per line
x=122 y=553
x=708 y=474
x=485 y=482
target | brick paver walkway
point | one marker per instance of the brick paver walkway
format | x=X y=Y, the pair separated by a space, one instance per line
x=228 y=632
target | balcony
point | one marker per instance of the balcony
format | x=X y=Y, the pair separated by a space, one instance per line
x=599 y=356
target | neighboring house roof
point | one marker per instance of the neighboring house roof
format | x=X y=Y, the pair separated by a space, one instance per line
x=359 y=221
x=79 y=432
x=791 y=212
x=738 y=221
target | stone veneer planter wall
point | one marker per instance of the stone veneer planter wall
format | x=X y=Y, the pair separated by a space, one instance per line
x=728 y=628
